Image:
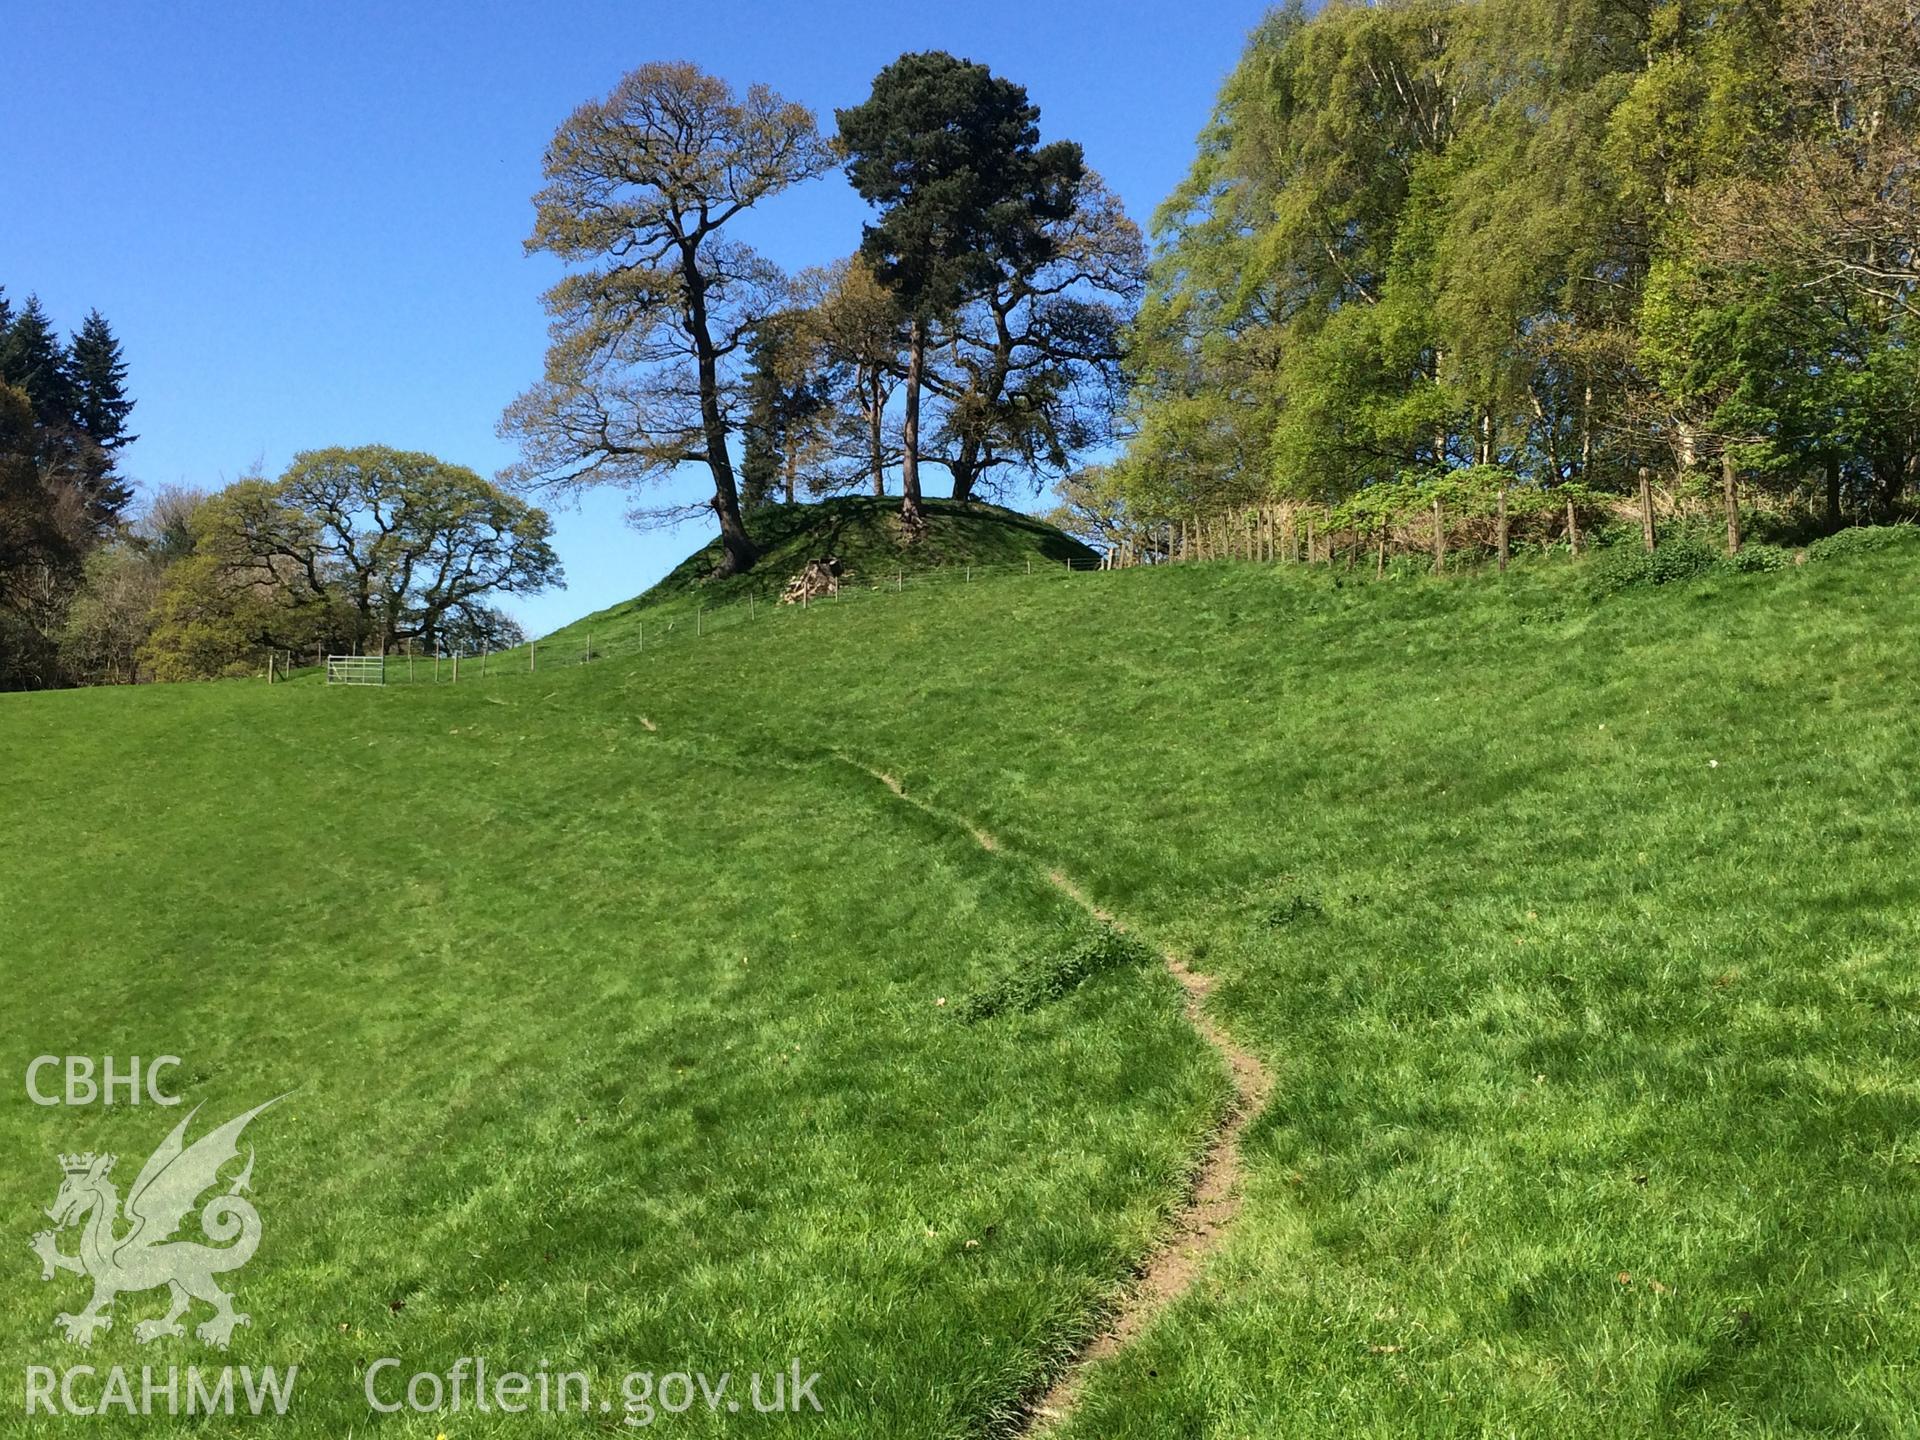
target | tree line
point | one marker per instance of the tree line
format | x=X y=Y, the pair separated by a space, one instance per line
x=979 y=326
x=1523 y=257
x=64 y=413
x=361 y=549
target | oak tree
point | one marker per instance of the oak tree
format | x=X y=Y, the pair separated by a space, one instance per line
x=649 y=331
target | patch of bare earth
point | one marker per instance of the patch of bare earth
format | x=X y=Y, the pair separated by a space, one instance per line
x=1200 y=1226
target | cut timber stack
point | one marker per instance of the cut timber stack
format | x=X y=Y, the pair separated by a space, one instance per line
x=820 y=578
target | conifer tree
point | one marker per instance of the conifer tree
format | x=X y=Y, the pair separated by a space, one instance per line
x=34 y=361
x=98 y=374
x=950 y=155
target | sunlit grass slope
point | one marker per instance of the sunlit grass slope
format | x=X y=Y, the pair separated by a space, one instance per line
x=609 y=1050
x=863 y=533
x=1578 y=936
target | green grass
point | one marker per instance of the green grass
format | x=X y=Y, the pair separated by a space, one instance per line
x=863 y=533
x=613 y=1050
x=1595 y=1103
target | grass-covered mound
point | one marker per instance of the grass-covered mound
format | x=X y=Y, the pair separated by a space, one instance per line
x=1576 y=930
x=863 y=533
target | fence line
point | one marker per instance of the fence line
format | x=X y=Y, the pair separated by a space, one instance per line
x=1271 y=533
x=1275 y=533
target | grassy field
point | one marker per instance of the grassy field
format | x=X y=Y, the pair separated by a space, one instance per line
x=1577 y=934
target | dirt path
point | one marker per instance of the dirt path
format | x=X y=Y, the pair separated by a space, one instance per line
x=1200 y=1226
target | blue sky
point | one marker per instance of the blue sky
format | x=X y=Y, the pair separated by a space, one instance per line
x=305 y=220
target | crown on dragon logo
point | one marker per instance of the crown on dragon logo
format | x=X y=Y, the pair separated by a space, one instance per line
x=80 y=1164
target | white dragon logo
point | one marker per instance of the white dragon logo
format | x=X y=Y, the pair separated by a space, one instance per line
x=169 y=1184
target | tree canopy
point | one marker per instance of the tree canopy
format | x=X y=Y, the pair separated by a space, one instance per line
x=950 y=155
x=649 y=332
x=1568 y=241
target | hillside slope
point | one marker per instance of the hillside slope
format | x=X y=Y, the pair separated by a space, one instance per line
x=863 y=533
x=1576 y=934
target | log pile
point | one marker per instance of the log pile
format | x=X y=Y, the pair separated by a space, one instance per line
x=820 y=579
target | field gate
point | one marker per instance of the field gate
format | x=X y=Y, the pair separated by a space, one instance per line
x=356 y=669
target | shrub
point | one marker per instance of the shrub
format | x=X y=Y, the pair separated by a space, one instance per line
x=1755 y=558
x=1862 y=540
x=1679 y=559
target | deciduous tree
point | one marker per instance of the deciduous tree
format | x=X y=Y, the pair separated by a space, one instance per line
x=644 y=373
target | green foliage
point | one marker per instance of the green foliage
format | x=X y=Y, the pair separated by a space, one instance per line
x=1863 y=540
x=1679 y=558
x=950 y=153
x=1449 y=233
x=112 y=614
x=1076 y=955
x=1754 y=559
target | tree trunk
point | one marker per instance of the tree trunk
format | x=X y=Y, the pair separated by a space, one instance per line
x=1439 y=537
x=1646 y=509
x=1573 y=527
x=791 y=465
x=1380 y=552
x=1586 y=429
x=1730 y=493
x=738 y=551
x=912 y=521
x=1833 y=492
x=876 y=448
x=965 y=476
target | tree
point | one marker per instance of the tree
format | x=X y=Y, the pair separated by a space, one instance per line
x=472 y=626
x=380 y=545
x=79 y=400
x=112 y=615
x=165 y=525
x=96 y=384
x=787 y=394
x=44 y=536
x=210 y=619
x=644 y=372
x=858 y=327
x=34 y=360
x=950 y=155
x=1837 y=199
x=1030 y=371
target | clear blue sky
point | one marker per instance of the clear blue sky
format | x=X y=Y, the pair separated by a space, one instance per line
x=304 y=219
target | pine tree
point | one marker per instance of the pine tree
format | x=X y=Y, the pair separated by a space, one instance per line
x=950 y=155
x=98 y=375
x=33 y=360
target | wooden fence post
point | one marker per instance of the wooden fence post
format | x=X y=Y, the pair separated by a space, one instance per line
x=1503 y=527
x=1730 y=493
x=1646 y=509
